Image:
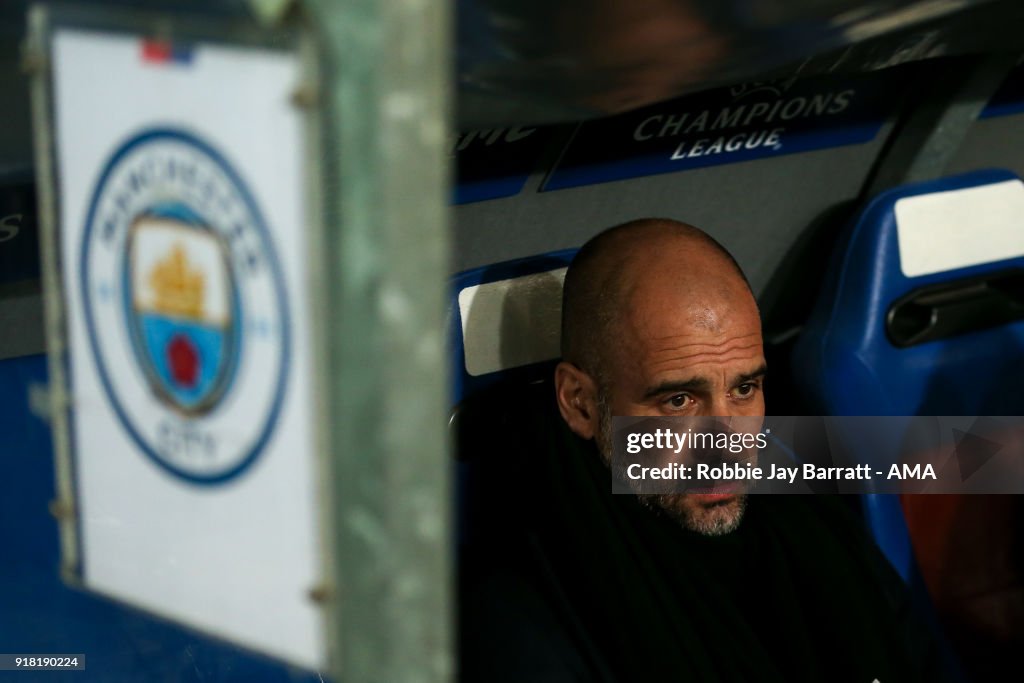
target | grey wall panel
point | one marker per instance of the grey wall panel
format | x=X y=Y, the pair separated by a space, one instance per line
x=757 y=209
x=21 y=320
x=996 y=142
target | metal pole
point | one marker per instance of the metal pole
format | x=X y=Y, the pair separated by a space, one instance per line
x=384 y=105
x=929 y=135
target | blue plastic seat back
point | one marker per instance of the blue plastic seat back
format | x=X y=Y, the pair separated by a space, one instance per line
x=505 y=321
x=505 y=330
x=953 y=354
x=846 y=361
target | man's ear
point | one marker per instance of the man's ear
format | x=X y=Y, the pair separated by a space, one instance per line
x=576 y=392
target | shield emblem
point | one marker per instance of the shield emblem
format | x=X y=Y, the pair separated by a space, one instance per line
x=182 y=307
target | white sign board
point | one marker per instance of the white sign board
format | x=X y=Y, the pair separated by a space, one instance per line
x=182 y=231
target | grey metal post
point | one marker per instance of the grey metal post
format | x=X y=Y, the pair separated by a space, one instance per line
x=928 y=136
x=384 y=104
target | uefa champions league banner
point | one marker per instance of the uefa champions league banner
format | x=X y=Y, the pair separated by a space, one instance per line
x=181 y=234
x=730 y=125
x=495 y=163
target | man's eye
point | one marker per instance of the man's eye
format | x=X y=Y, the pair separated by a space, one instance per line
x=745 y=390
x=679 y=400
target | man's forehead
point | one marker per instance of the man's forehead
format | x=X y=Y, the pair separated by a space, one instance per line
x=664 y=338
x=671 y=354
x=659 y=315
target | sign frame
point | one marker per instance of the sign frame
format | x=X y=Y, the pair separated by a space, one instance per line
x=43 y=23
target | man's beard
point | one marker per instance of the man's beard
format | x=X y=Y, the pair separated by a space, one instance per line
x=709 y=519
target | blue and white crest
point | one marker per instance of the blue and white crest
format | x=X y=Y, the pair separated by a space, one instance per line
x=185 y=306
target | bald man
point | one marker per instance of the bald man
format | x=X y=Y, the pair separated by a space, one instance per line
x=659 y=320
x=577 y=584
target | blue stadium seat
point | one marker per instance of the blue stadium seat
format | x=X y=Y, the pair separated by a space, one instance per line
x=923 y=314
x=504 y=321
x=504 y=330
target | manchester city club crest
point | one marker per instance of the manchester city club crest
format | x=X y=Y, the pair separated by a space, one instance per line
x=185 y=306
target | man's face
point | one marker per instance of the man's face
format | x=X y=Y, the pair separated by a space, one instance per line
x=685 y=355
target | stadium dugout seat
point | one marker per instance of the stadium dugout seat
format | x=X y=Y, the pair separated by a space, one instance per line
x=504 y=327
x=505 y=321
x=923 y=314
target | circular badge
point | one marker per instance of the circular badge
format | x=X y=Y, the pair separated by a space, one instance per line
x=185 y=306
